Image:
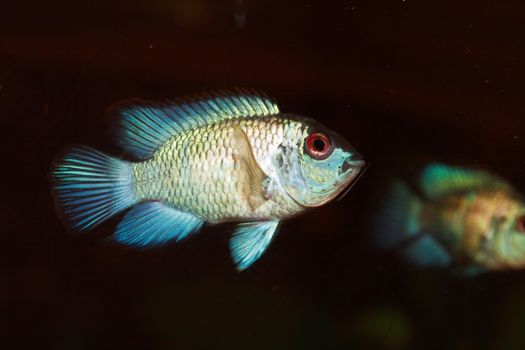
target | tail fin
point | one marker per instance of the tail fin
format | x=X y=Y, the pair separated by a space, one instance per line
x=398 y=220
x=91 y=187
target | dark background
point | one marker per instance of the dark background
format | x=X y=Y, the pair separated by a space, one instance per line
x=405 y=81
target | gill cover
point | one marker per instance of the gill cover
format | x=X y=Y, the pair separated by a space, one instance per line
x=314 y=174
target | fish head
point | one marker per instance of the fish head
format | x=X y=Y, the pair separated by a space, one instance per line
x=510 y=237
x=316 y=165
x=501 y=237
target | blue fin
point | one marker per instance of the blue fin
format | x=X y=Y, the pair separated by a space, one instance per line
x=154 y=224
x=146 y=125
x=249 y=242
x=439 y=180
x=427 y=252
x=469 y=271
x=397 y=221
x=90 y=187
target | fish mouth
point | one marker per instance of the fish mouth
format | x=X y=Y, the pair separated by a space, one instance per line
x=352 y=163
x=353 y=170
x=360 y=167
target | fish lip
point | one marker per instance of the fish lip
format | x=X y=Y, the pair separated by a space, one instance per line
x=355 y=164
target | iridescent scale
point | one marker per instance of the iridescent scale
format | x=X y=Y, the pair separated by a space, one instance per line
x=196 y=171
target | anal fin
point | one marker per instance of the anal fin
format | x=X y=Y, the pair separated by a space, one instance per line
x=250 y=241
x=154 y=224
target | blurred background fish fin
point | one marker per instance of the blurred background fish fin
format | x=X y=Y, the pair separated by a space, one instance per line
x=397 y=221
x=250 y=241
x=438 y=180
x=144 y=126
x=427 y=252
x=91 y=187
x=469 y=271
x=154 y=224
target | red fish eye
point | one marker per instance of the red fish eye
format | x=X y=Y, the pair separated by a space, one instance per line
x=520 y=224
x=318 y=145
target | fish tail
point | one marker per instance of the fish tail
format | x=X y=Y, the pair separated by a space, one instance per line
x=398 y=220
x=90 y=187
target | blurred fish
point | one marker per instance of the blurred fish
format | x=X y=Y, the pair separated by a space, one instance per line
x=219 y=157
x=455 y=216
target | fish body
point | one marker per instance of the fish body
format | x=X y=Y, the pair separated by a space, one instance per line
x=226 y=157
x=456 y=216
x=200 y=171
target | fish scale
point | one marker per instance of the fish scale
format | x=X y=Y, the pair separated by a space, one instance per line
x=183 y=164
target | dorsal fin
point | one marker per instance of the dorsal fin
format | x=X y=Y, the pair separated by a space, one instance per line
x=146 y=125
x=439 y=180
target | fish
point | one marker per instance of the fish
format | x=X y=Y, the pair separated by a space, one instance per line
x=209 y=158
x=467 y=219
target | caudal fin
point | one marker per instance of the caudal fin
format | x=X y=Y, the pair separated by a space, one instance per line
x=91 y=187
x=398 y=220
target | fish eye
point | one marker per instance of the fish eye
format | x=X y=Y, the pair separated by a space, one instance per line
x=318 y=145
x=520 y=224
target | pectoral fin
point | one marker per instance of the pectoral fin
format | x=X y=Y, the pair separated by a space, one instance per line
x=250 y=241
x=254 y=183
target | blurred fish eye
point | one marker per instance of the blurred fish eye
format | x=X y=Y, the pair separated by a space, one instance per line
x=520 y=224
x=318 y=146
